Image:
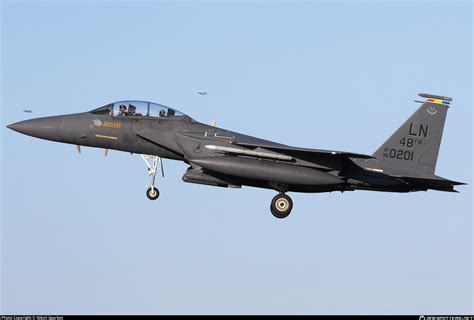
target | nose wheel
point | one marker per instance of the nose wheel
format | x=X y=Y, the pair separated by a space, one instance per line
x=281 y=206
x=152 y=192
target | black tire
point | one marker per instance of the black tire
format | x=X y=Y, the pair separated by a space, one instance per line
x=281 y=206
x=152 y=193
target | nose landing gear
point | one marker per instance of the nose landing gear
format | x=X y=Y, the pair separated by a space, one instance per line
x=152 y=192
x=281 y=206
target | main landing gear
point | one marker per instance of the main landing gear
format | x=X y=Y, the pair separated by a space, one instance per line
x=152 y=192
x=281 y=206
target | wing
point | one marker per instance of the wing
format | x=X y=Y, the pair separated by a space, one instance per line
x=302 y=152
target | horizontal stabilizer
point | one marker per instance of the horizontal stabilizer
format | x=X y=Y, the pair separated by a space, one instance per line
x=438 y=182
x=434 y=182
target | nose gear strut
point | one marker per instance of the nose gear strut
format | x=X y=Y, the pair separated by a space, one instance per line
x=151 y=162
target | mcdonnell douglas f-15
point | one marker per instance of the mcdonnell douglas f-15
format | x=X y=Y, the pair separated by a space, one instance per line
x=405 y=162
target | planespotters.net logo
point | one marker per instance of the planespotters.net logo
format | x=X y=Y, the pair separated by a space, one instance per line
x=446 y=318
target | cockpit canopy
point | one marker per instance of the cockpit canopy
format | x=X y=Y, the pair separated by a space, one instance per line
x=134 y=108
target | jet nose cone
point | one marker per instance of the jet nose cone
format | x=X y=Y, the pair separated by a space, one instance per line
x=44 y=128
x=19 y=126
x=12 y=126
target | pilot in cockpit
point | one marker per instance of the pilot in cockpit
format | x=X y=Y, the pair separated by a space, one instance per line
x=162 y=113
x=170 y=113
x=122 y=110
x=131 y=110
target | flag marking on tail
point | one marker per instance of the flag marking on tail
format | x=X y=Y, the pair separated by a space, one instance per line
x=438 y=101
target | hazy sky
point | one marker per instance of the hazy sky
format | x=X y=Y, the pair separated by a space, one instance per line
x=79 y=236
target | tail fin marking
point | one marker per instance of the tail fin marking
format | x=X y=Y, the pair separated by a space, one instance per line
x=413 y=149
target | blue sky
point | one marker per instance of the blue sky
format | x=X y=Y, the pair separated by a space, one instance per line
x=79 y=236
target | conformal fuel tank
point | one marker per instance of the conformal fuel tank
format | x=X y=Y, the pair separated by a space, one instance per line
x=266 y=170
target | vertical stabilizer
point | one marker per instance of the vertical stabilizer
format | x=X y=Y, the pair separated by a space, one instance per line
x=413 y=149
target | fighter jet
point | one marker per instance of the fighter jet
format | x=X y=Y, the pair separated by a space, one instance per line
x=405 y=162
x=202 y=93
x=27 y=111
